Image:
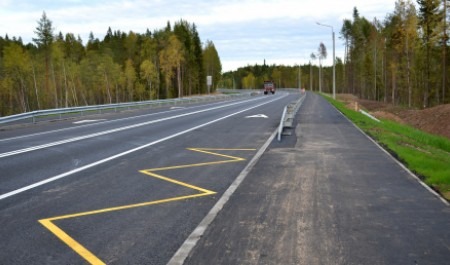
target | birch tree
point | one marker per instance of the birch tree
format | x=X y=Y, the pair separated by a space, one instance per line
x=322 y=54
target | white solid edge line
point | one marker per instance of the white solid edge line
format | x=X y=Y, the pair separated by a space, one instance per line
x=68 y=173
x=88 y=136
x=396 y=161
x=183 y=252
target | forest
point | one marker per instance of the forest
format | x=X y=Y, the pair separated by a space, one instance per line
x=402 y=59
x=58 y=71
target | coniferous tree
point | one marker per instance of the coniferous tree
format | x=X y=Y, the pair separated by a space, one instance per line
x=44 y=40
x=212 y=64
x=121 y=67
x=428 y=21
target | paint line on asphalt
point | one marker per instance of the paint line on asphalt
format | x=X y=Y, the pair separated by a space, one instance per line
x=87 y=121
x=257 y=116
x=112 y=121
x=88 y=255
x=91 y=258
x=88 y=136
x=130 y=206
x=105 y=122
x=102 y=161
x=182 y=253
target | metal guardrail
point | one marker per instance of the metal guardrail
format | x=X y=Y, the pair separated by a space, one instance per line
x=369 y=115
x=287 y=118
x=33 y=115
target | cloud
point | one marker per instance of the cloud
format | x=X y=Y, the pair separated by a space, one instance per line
x=242 y=30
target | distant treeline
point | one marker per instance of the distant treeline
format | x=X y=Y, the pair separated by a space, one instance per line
x=402 y=60
x=57 y=70
x=284 y=76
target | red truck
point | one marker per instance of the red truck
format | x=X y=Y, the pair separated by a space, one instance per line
x=269 y=86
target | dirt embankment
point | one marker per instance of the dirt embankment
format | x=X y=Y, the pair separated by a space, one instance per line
x=434 y=120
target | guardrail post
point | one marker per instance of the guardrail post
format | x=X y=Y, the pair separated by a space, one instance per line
x=280 y=128
x=292 y=108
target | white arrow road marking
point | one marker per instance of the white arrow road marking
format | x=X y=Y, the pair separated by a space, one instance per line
x=86 y=121
x=257 y=116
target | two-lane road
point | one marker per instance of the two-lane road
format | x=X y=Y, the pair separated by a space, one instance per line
x=125 y=190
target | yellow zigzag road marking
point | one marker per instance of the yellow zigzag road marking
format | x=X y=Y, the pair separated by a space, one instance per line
x=91 y=258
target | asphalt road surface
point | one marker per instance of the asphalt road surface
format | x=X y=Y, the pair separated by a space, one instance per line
x=123 y=188
x=327 y=195
x=131 y=188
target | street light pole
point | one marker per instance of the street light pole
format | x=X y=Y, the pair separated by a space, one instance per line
x=334 y=58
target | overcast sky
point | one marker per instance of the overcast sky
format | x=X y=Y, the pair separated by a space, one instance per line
x=243 y=31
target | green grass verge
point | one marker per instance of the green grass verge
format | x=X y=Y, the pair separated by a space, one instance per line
x=427 y=155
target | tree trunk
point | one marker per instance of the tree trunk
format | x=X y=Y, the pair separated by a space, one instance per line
x=35 y=87
x=74 y=93
x=107 y=88
x=66 y=90
x=375 y=70
x=54 y=84
x=427 y=65
x=167 y=87
x=47 y=81
x=149 y=82
x=320 y=75
x=385 y=73
x=444 y=54
x=408 y=72
x=394 y=87
x=190 y=84
x=179 y=80
x=23 y=100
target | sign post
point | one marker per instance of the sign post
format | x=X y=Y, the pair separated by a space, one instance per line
x=209 y=83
